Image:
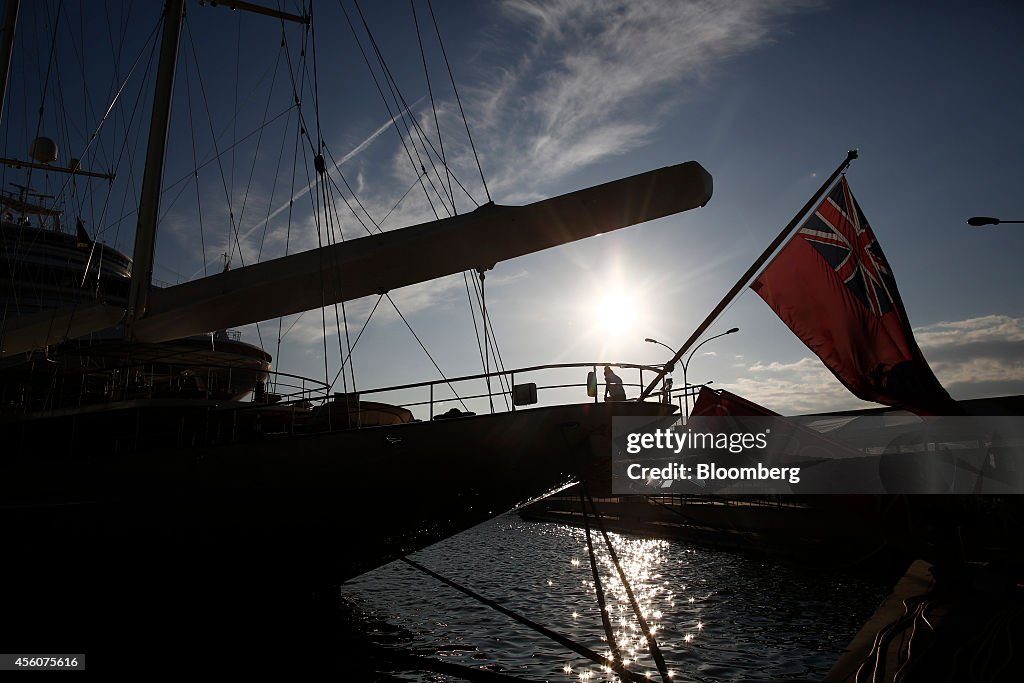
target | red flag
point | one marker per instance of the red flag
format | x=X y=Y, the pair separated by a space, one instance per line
x=833 y=287
x=722 y=403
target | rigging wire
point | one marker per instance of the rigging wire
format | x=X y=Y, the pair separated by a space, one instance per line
x=255 y=156
x=273 y=192
x=124 y=146
x=472 y=313
x=606 y=623
x=659 y=660
x=401 y=102
x=529 y=623
x=199 y=200
x=458 y=99
x=71 y=178
x=401 y=199
x=451 y=196
x=315 y=200
x=344 y=199
x=325 y=199
x=297 y=92
x=288 y=230
x=354 y=344
x=188 y=176
x=492 y=339
x=403 y=106
x=232 y=225
x=132 y=153
x=433 y=107
x=46 y=79
x=394 y=116
x=487 y=357
x=234 y=118
x=355 y=197
x=94 y=135
x=422 y=346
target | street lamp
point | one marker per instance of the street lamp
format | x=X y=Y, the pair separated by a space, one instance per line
x=666 y=383
x=655 y=341
x=978 y=221
x=686 y=365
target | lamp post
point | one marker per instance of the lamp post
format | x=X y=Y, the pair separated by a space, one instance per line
x=978 y=221
x=667 y=382
x=686 y=365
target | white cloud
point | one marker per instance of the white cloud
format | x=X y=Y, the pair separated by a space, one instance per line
x=802 y=365
x=816 y=393
x=988 y=328
x=978 y=370
x=970 y=357
x=582 y=88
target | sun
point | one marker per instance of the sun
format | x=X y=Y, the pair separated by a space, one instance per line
x=614 y=314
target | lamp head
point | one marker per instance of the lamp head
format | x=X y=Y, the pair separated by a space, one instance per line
x=978 y=221
x=735 y=329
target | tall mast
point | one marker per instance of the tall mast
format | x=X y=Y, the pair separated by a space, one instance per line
x=7 y=46
x=149 y=201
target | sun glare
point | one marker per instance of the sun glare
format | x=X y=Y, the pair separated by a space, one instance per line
x=614 y=314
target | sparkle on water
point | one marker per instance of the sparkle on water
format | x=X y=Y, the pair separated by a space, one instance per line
x=737 y=617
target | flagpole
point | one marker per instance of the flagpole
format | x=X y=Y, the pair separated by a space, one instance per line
x=747 y=276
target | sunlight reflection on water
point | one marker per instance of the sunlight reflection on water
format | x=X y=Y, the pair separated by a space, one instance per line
x=715 y=615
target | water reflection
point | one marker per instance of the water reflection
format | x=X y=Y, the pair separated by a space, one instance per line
x=715 y=615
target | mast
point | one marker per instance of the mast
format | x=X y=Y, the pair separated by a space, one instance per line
x=156 y=150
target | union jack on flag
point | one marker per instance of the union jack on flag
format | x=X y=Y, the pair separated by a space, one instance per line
x=833 y=288
x=844 y=239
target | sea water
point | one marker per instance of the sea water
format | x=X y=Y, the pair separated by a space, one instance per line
x=716 y=615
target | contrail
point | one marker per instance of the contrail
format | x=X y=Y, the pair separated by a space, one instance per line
x=359 y=148
x=306 y=190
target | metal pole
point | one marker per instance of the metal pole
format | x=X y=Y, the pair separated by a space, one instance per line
x=149 y=201
x=686 y=393
x=686 y=365
x=752 y=270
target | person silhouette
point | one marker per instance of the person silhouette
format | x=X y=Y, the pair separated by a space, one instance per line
x=613 y=389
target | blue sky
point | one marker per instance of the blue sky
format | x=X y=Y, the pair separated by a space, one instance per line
x=767 y=96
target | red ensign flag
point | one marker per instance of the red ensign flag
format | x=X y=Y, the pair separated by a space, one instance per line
x=833 y=287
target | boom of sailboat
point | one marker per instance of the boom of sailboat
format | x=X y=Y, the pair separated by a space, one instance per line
x=377 y=263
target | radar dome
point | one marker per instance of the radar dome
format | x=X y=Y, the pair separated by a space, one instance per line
x=44 y=150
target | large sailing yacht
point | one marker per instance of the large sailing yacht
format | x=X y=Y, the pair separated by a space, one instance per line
x=134 y=409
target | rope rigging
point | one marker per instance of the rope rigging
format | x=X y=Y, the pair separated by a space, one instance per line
x=67 y=191
x=433 y=107
x=615 y=661
x=579 y=649
x=652 y=643
x=401 y=113
x=330 y=223
x=423 y=346
x=458 y=99
x=409 y=131
x=606 y=623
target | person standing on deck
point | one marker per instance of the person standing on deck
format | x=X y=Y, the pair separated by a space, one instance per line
x=613 y=389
